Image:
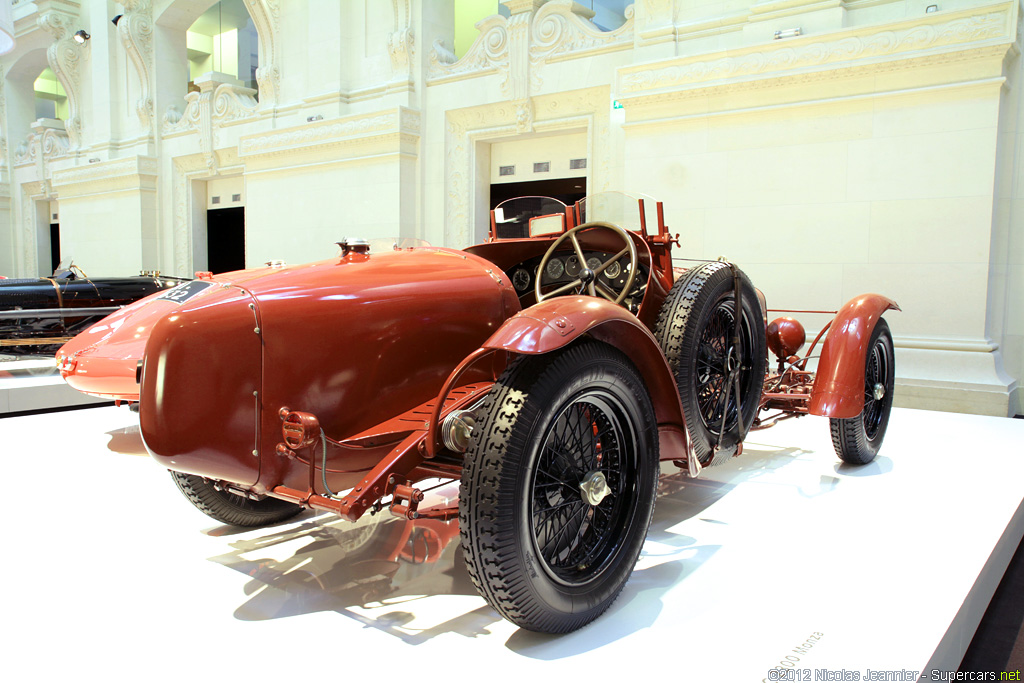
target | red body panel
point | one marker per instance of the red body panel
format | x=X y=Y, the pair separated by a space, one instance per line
x=555 y=323
x=354 y=340
x=839 y=382
x=101 y=361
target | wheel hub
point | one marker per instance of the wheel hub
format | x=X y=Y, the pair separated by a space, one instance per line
x=879 y=391
x=594 y=488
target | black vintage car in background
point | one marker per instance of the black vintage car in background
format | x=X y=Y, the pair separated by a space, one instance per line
x=37 y=315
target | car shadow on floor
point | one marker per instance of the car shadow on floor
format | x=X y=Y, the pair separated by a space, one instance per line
x=407 y=578
x=400 y=576
x=127 y=441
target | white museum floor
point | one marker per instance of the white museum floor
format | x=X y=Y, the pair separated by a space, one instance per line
x=110 y=570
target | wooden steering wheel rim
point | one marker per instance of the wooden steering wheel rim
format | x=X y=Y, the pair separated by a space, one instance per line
x=592 y=286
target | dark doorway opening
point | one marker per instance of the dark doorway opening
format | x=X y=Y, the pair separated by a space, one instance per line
x=225 y=239
x=54 y=246
x=566 y=190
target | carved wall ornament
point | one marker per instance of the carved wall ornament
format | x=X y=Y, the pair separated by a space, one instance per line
x=64 y=56
x=401 y=40
x=135 y=28
x=400 y=48
x=214 y=105
x=489 y=52
x=560 y=32
x=266 y=16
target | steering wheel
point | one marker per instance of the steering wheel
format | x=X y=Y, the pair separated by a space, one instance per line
x=588 y=278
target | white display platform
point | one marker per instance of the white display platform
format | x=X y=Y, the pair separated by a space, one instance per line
x=107 y=568
x=33 y=383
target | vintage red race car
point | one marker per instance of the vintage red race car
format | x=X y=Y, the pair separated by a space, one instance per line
x=550 y=370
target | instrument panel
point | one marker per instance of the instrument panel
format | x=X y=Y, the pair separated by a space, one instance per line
x=565 y=266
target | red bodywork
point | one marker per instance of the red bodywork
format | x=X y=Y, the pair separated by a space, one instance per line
x=839 y=382
x=103 y=360
x=250 y=379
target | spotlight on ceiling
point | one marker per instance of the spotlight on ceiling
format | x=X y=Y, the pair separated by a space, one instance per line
x=81 y=36
x=116 y=19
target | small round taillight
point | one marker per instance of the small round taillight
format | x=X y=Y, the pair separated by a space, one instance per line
x=300 y=429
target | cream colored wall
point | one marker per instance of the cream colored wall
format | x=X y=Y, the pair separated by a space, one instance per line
x=877 y=151
x=104 y=238
x=297 y=215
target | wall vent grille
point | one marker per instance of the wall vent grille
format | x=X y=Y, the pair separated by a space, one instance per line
x=542 y=167
x=577 y=163
x=215 y=200
x=506 y=170
x=236 y=197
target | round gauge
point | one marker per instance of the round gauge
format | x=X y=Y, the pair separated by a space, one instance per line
x=554 y=269
x=572 y=266
x=521 y=280
x=613 y=270
x=593 y=263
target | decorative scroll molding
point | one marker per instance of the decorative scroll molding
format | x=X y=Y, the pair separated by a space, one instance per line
x=136 y=31
x=489 y=53
x=401 y=41
x=46 y=143
x=215 y=104
x=266 y=16
x=132 y=173
x=903 y=40
x=346 y=131
x=562 y=30
x=64 y=57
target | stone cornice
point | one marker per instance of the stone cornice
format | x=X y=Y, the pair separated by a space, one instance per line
x=349 y=130
x=132 y=173
x=939 y=36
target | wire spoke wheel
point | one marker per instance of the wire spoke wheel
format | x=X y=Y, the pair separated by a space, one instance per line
x=857 y=439
x=876 y=370
x=558 y=486
x=575 y=537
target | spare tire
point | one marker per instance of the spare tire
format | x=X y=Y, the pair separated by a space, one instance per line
x=695 y=327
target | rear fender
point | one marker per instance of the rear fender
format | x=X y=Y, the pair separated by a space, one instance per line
x=839 y=382
x=556 y=323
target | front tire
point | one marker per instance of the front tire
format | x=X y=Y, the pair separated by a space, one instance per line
x=558 y=486
x=857 y=439
x=228 y=508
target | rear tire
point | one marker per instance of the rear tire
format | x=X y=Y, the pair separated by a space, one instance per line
x=857 y=439
x=228 y=508
x=545 y=544
x=694 y=330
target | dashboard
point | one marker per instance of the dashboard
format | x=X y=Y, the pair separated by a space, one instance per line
x=564 y=266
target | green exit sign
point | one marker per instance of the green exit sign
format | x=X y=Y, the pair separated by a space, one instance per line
x=616 y=104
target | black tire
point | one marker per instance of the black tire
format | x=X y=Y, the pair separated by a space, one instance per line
x=857 y=439
x=694 y=329
x=542 y=555
x=228 y=508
